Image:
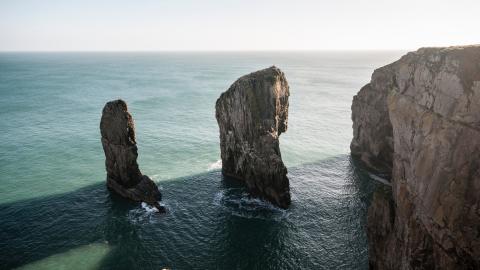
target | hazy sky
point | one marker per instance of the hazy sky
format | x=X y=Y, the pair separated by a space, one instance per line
x=236 y=25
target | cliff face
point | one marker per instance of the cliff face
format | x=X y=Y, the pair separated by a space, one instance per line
x=120 y=147
x=251 y=115
x=422 y=113
x=372 y=131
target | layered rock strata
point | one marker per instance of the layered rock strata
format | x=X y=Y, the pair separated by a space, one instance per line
x=421 y=116
x=251 y=115
x=118 y=140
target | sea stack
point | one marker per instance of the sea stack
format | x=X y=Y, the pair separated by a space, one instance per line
x=251 y=115
x=118 y=140
x=420 y=116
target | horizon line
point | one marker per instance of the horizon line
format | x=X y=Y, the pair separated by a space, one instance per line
x=207 y=51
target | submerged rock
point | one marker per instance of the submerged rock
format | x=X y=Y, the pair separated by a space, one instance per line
x=251 y=115
x=421 y=114
x=118 y=140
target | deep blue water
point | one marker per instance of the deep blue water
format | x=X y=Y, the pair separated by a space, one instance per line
x=55 y=212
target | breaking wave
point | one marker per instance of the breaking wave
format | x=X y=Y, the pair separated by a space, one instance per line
x=147 y=213
x=380 y=179
x=240 y=203
x=215 y=166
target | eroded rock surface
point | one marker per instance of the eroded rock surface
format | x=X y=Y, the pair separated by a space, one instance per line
x=120 y=147
x=251 y=115
x=430 y=101
x=372 y=131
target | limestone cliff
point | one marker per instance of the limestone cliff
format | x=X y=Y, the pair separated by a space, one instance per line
x=120 y=147
x=251 y=115
x=421 y=114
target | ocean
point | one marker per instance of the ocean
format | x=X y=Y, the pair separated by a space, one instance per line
x=55 y=210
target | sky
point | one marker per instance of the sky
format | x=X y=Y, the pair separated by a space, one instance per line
x=223 y=25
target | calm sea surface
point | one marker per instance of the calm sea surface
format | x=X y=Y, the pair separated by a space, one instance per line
x=55 y=211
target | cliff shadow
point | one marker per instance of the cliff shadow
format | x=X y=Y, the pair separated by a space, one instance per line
x=211 y=223
x=34 y=229
x=323 y=229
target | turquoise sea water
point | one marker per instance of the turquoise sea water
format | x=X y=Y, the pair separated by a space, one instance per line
x=55 y=212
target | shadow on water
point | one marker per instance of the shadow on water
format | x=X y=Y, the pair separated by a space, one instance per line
x=211 y=223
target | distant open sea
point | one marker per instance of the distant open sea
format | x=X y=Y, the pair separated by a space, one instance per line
x=56 y=213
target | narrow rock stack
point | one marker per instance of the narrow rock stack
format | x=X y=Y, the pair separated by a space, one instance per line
x=251 y=115
x=421 y=116
x=120 y=147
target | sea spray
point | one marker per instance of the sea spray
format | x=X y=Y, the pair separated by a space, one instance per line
x=217 y=165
